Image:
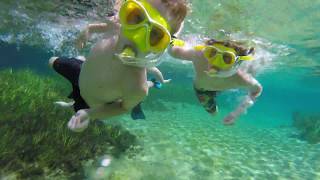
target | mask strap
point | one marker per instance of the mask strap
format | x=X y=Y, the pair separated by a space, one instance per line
x=246 y=58
x=177 y=42
x=199 y=47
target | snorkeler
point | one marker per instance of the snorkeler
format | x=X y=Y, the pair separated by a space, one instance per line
x=216 y=65
x=111 y=82
x=137 y=112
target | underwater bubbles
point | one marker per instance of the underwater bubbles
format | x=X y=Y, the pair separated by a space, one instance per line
x=106 y=161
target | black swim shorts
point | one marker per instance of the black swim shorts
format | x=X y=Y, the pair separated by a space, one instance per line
x=70 y=69
x=207 y=99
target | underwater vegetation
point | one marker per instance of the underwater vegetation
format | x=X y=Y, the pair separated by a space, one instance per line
x=34 y=139
x=308 y=125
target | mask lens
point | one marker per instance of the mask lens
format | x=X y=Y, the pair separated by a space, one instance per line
x=156 y=36
x=228 y=58
x=144 y=26
x=132 y=14
x=135 y=15
x=159 y=39
x=212 y=52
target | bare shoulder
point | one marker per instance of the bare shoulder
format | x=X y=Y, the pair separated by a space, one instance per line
x=184 y=53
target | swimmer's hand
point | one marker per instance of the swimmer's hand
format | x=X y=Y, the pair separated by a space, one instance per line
x=79 y=122
x=230 y=119
x=82 y=39
x=154 y=83
x=166 y=81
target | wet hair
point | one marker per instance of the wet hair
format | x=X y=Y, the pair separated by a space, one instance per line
x=239 y=47
x=177 y=9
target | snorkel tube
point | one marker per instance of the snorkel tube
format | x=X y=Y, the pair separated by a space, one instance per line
x=129 y=57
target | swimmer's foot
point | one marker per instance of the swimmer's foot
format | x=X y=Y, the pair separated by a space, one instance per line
x=64 y=104
x=79 y=122
x=137 y=112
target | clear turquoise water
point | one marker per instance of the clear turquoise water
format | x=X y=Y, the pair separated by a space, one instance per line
x=180 y=140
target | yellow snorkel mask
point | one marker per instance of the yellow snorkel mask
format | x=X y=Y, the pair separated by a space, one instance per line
x=222 y=60
x=144 y=26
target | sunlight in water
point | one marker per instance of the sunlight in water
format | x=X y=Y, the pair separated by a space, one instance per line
x=278 y=138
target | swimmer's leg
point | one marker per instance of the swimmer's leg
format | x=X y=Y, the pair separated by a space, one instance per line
x=137 y=112
x=70 y=69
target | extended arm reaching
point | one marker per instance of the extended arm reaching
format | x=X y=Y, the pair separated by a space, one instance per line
x=157 y=73
x=94 y=28
x=255 y=90
x=183 y=52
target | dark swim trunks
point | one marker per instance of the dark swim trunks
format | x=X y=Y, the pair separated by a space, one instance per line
x=137 y=112
x=70 y=69
x=207 y=99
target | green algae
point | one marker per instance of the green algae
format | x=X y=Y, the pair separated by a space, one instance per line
x=35 y=141
x=308 y=125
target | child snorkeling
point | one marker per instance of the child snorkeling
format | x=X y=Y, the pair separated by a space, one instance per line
x=216 y=65
x=113 y=79
x=137 y=113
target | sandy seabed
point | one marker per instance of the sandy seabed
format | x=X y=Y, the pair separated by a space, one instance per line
x=184 y=142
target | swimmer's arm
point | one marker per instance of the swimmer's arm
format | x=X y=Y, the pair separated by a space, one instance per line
x=254 y=88
x=157 y=73
x=94 y=28
x=97 y=28
x=183 y=53
x=117 y=5
x=111 y=24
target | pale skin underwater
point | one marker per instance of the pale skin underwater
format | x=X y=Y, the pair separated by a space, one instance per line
x=108 y=86
x=205 y=82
